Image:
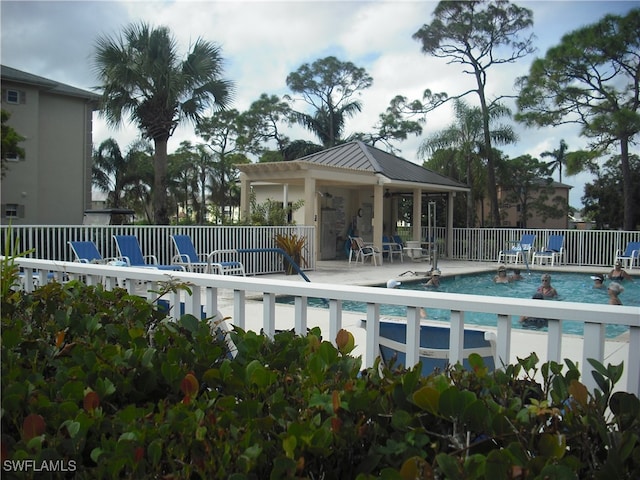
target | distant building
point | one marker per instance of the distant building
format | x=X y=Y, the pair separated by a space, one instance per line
x=51 y=185
x=511 y=213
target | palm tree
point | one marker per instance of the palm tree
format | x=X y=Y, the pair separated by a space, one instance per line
x=115 y=173
x=466 y=137
x=327 y=124
x=559 y=159
x=143 y=78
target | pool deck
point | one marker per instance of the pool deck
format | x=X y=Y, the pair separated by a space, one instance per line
x=340 y=272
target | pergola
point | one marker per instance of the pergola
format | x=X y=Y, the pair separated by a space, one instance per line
x=362 y=169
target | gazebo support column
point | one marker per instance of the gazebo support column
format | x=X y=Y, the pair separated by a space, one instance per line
x=416 y=220
x=378 y=216
x=245 y=194
x=450 y=199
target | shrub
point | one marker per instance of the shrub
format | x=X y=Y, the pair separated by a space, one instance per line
x=100 y=380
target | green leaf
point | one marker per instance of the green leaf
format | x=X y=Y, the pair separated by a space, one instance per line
x=127 y=436
x=427 y=398
x=498 y=465
x=10 y=337
x=257 y=374
x=552 y=445
x=96 y=453
x=453 y=402
x=73 y=391
x=154 y=451
x=147 y=357
x=401 y=420
x=289 y=444
x=450 y=466
x=105 y=387
x=72 y=427
x=190 y=322
x=416 y=468
x=476 y=414
x=136 y=332
x=558 y=472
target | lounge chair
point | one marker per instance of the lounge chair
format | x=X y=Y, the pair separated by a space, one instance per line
x=630 y=256
x=552 y=252
x=193 y=261
x=434 y=346
x=131 y=254
x=391 y=247
x=87 y=252
x=524 y=246
x=360 y=251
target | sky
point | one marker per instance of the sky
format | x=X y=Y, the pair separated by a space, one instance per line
x=263 y=41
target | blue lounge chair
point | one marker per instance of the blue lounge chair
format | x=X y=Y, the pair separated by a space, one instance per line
x=131 y=253
x=193 y=261
x=517 y=252
x=87 y=252
x=434 y=346
x=630 y=256
x=391 y=248
x=552 y=252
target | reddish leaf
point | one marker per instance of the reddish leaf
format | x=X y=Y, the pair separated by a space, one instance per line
x=189 y=385
x=139 y=454
x=91 y=401
x=33 y=426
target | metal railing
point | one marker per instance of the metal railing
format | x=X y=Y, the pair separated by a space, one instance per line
x=594 y=316
x=50 y=242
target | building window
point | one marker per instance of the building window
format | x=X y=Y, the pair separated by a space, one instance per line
x=13 y=96
x=11 y=210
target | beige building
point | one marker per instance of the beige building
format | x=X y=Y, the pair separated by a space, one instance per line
x=52 y=183
x=557 y=197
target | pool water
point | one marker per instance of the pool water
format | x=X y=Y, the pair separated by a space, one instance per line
x=571 y=287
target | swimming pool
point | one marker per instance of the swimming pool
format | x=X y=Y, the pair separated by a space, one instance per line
x=571 y=287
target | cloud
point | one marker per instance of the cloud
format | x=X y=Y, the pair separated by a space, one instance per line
x=263 y=41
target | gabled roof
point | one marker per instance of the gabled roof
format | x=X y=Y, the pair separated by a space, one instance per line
x=18 y=76
x=359 y=156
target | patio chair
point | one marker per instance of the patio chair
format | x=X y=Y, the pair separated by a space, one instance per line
x=360 y=251
x=552 y=252
x=434 y=346
x=391 y=247
x=630 y=256
x=193 y=261
x=131 y=254
x=87 y=252
x=517 y=252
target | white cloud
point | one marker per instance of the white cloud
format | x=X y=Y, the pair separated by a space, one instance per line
x=263 y=41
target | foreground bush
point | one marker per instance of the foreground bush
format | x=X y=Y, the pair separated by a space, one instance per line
x=97 y=383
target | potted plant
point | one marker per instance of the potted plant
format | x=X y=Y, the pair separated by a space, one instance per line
x=292 y=245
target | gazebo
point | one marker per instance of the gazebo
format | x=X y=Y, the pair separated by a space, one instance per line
x=352 y=188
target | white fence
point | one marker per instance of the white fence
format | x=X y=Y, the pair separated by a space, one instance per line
x=50 y=242
x=582 y=247
x=594 y=316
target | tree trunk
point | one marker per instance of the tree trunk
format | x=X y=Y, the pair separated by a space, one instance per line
x=627 y=186
x=160 y=211
x=470 y=195
x=491 y=170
